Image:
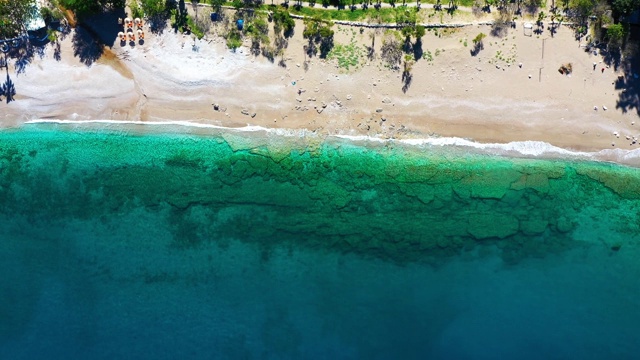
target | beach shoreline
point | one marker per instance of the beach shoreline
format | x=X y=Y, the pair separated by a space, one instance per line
x=482 y=99
x=279 y=139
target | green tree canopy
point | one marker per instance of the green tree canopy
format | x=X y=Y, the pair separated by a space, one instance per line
x=317 y=28
x=615 y=34
x=318 y=32
x=625 y=7
x=408 y=18
x=283 y=20
x=584 y=8
x=87 y=7
x=14 y=14
x=154 y=8
x=479 y=38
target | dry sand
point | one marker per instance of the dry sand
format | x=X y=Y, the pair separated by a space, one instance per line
x=174 y=77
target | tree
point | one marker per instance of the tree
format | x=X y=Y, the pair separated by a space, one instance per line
x=478 y=43
x=625 y=7
x=217 y=5
x=615 y=34
x=136 y=10
x=583 y=8
x=391 y=51
x=234 y=39
x=478 y=39
x=154 y=8
x=283 y=20
x=319 y=33
x=258 y=31
x=407 y=19
x=13 y=15
x=88 y=7
x=539 y=21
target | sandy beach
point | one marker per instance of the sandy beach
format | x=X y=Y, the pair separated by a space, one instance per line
x=452 y=94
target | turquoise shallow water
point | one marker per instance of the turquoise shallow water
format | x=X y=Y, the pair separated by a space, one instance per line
x=115 y=244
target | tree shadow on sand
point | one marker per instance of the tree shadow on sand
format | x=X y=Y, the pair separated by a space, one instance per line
x=629 y=81
x=407 y=78
x=94 y=33
x=477 y=47
x=7 y=89
x=22 y=52
x=86 y=46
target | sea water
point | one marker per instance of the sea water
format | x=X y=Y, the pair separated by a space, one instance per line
x=162 y=244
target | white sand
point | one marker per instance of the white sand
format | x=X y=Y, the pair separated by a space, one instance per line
x=454 y=95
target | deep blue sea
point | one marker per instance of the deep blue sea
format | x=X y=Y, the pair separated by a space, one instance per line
x=121 y=244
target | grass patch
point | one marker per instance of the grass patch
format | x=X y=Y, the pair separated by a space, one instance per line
x=348 y=57
x=427 y=56
x=505 y=57
x=195 y=29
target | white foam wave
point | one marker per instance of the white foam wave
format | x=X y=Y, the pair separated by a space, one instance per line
x=515 y=148
x=247 y=128
x=530 y=148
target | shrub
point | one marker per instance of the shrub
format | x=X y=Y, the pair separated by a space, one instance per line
x=478 y=39
x=234 y=39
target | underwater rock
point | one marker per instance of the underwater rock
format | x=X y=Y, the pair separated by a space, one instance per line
x=624 y=183
x=564 y=225
x=533 y=226
x=484 y=226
